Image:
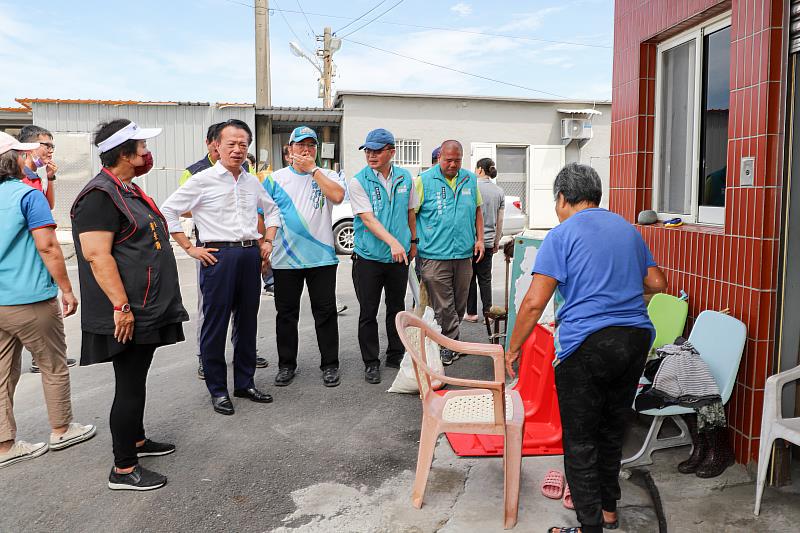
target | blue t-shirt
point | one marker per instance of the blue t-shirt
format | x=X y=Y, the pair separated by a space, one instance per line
x=600 y=262
x=36 y=210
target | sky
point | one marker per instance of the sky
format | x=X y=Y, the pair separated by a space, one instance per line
x=203 y=50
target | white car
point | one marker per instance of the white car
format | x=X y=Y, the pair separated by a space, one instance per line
x=343 y=233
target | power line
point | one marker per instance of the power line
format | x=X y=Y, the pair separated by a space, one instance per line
x=437 y=28
x=312 y=34
x=373 y=20
x=376 y=6
x=392 y=52
x=291 y=29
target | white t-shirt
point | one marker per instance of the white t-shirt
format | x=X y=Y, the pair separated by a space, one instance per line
x=305 y=236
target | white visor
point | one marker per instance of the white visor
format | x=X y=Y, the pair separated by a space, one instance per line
x=131 y=131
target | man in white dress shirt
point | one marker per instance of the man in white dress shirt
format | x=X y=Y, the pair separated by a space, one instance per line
x=224 y=202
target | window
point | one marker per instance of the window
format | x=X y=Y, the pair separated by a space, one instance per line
x=407 y=152
x=691 y=124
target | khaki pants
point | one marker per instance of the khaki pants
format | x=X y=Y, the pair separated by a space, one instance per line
x=447 y=283
x=39 y=328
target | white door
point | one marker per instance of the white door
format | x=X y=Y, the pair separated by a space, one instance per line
x=478 y=151
x=545 y=161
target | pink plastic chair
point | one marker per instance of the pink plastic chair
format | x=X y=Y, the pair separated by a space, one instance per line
x=486 y=407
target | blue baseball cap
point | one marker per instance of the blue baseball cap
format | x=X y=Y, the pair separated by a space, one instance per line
x=377 y=139
x=302 y=132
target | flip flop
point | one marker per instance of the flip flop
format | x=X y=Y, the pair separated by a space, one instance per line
x=553 y=485
x=564 y=529
x=567 y=500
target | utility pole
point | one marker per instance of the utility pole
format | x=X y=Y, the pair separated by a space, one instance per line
x=263 y=88
x=327 y=69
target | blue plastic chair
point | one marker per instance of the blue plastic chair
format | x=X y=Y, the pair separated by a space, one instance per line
x=720 y=340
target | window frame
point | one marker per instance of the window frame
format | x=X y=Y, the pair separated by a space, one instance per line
x=714 y=216
x=401 y=144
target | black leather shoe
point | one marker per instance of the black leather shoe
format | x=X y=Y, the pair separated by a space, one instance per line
x=372 y=374
x=254 y=395
x=330 y=377
x=261 y=362
x=284 y=377
x=223 y=405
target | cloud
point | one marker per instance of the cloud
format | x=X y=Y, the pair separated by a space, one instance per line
x=528 y=21
x=462 y=9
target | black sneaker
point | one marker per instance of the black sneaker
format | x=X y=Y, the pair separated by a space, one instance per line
x=394 y=362
x=200 y=373
x=261 y=362
x=372 y=374
x=330 y=377
x=153 y=448
x=139 y=479
x=284 y=377
x=34 y=369
x=448 y=356
x=71 y=362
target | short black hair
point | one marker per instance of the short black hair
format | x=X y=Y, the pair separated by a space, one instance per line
x=578 y=183
x=211 y=133
x=107 y=129
x=236 y=123
x=30 y=133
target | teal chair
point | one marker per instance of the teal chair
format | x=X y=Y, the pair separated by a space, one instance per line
x=668 y=315
x=720 y=340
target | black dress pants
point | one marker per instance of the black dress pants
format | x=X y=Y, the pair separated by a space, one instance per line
x=127 y=412
x=596 y=385
x=321 y=283
x=482 y=271
x=370 y=278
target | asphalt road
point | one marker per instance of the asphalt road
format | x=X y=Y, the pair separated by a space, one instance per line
x=229 y=473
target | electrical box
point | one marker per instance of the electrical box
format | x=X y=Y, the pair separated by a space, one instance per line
x=747 y=171
x=576 y=128
x=326 y=150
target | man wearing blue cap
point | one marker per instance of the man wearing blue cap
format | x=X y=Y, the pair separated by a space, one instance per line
x=450 y=229
x=383 y=200
x=304 y=254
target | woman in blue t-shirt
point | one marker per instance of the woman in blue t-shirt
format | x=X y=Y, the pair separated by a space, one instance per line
x=600 y=267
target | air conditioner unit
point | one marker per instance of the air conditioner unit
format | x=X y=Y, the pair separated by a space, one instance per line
x=576 y=128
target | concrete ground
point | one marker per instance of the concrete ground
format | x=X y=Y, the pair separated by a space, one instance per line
x=318 y=459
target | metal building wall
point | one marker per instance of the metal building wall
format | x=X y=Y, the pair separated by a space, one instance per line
x=180 y=144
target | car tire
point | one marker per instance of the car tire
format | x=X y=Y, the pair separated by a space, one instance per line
x=343 y=235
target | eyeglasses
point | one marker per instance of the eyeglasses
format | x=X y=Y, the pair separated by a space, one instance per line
x=370 y=151
x=50 y=146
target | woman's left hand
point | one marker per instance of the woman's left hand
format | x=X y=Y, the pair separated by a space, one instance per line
x=511 y=357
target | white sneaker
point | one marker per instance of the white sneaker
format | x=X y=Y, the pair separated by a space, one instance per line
x=74 y=434
x=22 y=451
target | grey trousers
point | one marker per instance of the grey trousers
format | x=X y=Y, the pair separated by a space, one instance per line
x=447 y=283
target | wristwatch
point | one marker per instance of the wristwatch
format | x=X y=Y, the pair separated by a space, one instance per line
x=415 y=241
x=124 y=308
x=313 y=170
x=53 y=178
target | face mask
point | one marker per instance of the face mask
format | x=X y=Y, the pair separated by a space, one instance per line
x=37 y=162
x=148 y=165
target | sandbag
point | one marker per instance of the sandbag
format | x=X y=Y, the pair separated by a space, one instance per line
x=405 y=382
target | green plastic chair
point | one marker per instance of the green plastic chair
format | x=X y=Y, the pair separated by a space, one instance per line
x=668 y=315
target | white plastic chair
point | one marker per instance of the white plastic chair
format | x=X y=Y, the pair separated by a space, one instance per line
x=774 y=426
x=720 y=340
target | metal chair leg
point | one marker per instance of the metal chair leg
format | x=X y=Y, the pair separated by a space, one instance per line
x=653 y=443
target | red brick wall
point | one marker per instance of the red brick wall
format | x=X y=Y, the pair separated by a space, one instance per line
x=734 y=266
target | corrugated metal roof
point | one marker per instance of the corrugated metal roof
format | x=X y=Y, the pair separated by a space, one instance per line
x=316 y=115
x=27 y=101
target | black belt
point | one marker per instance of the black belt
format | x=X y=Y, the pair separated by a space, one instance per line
x=228 y=244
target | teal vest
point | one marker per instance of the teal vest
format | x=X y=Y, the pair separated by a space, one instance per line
x=446 y=219
x=23 y=277
x=391 y=213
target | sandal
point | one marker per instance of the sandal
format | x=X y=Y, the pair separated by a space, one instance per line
x=611 y=525
x=564 y=529
x=567 y=500
x=553 y=485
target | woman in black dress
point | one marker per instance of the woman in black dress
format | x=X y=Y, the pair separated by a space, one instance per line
x=129 y=285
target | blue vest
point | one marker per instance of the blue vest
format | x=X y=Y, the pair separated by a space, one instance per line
x=392 y=213
x=446 y=218
x=23 y=277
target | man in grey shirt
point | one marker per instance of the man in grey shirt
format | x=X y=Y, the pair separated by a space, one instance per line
x=492 y=207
